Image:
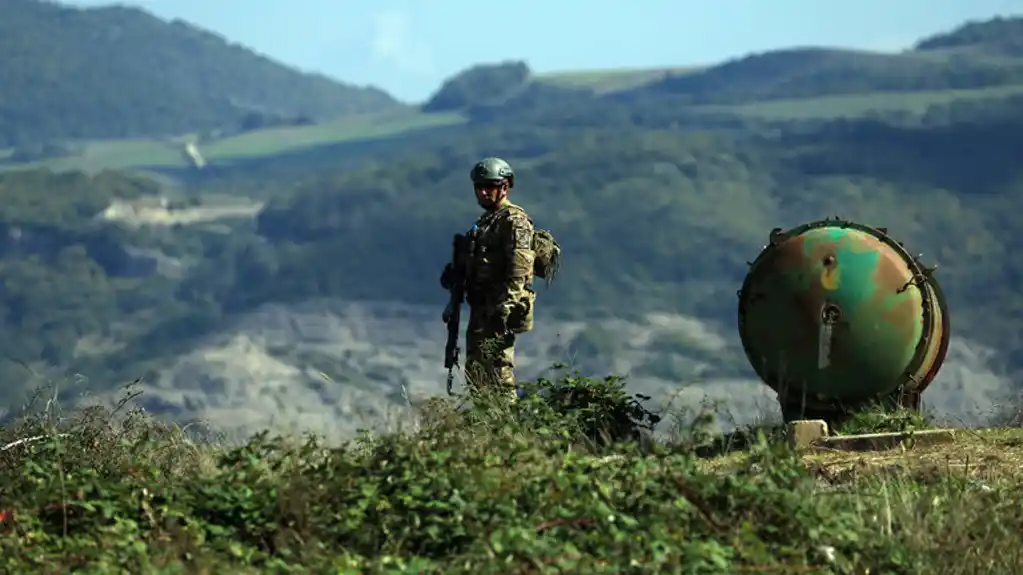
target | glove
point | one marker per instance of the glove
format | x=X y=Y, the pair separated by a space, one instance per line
x=517 y=316
x=504 y=311
x=447 y=277
x=449 y=313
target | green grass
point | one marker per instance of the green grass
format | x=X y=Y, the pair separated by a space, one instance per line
x=278 y=140
x=130 y=153
x=126 y=154
x=613 y=80
x=858 y=105
x=541 y=487
x=121 y=154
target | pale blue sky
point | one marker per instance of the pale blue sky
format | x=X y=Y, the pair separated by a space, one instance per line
x=409 y=47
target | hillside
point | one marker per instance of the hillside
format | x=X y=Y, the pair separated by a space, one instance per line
x=239 y=292
x=976 y=56
x=327 y=276
x=797 y=84
x=1002 y=36
x=158 y=333
x=117 y=72
x=815 y=72
x=992 y=60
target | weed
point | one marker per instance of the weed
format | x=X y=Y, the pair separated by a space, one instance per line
x=569 y=479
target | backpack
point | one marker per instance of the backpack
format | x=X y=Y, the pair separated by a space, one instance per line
x=548 y=255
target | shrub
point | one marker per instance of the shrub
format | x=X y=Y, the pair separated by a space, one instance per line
x=489 y=489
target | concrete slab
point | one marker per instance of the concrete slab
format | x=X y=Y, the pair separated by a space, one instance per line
x=806 y=432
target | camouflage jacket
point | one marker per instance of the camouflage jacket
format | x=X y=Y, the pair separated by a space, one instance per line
x=501 y=267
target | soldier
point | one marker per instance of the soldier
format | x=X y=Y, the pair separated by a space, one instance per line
x=498 y=279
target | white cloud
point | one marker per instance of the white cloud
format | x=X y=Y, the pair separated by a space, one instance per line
x=395 y=43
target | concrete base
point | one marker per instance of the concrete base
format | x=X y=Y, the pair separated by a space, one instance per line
x=804 y=434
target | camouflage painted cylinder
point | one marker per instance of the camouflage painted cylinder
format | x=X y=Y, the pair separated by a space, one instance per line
x=834 y=315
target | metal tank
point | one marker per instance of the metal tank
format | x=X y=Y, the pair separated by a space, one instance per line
x=835 y=315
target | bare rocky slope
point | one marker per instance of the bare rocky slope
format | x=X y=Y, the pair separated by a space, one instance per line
x=333 y=367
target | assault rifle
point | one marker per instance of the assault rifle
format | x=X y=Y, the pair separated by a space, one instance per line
x=454 y=281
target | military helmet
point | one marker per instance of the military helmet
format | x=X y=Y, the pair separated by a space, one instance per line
x=492 y=170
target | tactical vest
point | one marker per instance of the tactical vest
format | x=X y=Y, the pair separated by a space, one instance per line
x=489 y=256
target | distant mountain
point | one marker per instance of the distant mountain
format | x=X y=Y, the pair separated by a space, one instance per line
x=998 y=36
x=977 y=55
x=485 y=84
x=116 y=72
x=994 y=58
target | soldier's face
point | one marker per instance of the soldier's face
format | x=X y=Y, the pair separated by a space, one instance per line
x=490 y=194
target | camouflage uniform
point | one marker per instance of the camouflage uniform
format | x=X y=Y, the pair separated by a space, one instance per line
x=497 y=276
x=499 y=294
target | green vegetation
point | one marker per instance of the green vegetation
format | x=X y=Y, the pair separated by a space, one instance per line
x=372 y=230
x=118 y=72
x=150 y=153
x=281 y=140
x=880 y=420
x=595 y=183
x=816 y=72
x=659 y=205
x=975 y=62
x=613 y=80
x=996 y=36
x=864 y=105
x=686 y=207
x=496 y=490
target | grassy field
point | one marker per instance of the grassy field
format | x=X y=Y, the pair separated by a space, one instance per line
x=613 y=80
x=546 y=486
x=858 y=105
x=120 y=154
x=124 y=154
x=162 y=153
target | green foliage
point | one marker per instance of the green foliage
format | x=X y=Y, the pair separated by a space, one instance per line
x=612 y=80
x=813 y=72
x=117 y=72
x=657 y=205
x=998 y=36
x=601 y=412
x=470 y=492
x=339 y=232
x=882 y=419
x=481 y=84
x=591 y=184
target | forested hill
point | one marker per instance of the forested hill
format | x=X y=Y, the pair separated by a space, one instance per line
x=115 y=72
x=995 y=36
x=976 y=55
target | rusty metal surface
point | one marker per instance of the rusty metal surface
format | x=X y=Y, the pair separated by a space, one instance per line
x=834 y=313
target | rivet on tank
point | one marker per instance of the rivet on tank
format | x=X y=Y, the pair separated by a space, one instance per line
x=835 y=316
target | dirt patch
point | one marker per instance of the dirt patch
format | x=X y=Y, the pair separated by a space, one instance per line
x=141 y=214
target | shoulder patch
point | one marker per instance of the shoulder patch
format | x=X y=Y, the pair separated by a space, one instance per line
x=522 y=238
x=521 y=228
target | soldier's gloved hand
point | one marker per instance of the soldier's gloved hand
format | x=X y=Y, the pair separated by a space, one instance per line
x=503 y=313
x=447 y=277
x=449 y=313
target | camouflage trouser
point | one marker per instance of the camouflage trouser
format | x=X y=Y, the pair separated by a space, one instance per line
x=490 y=355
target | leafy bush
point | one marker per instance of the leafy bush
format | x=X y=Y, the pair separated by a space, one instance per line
x=600 y=412
x=479 y=490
